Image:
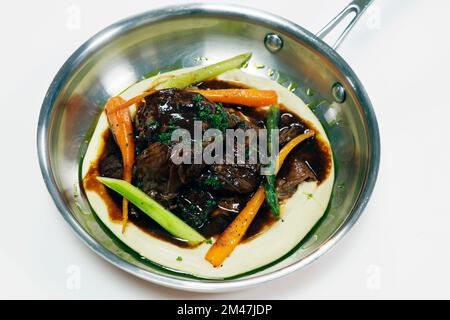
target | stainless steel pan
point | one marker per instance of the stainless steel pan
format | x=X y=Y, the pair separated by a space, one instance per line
x=182 y=36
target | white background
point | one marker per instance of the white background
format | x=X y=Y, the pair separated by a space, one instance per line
x=398 y=249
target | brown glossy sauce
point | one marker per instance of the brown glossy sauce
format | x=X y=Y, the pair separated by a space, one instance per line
x=91 y=183
x=314 y=152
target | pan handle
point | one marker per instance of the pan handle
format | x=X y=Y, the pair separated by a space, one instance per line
x=356 y=7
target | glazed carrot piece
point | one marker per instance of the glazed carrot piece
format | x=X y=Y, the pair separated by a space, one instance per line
x=122 y=127
x=233 y=234
x=291 y=145
x=245 y=97
x=129 y=103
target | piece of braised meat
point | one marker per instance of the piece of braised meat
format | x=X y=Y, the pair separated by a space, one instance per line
x=159 y=112
x=111 y=163
x=194 y=206
x=291 y=176
x=289 y=128
x=158 y=176
x=226 y=210
x=168 y=109
x=231 y=205
x=159 y=115
x=111 y=166
x=234 y=178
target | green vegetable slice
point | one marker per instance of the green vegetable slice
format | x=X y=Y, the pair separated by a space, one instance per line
x=166 y=219
x=185 y=79
x=269 y=183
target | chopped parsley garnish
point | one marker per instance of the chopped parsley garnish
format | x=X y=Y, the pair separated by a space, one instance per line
x=217 y=118
x=211 y=203
x=166 y=137
x=197 y=98
x=75 y=190
x=308 y=195
x=179 y=258
x=209 y=241
x=212 y=181
x=171 y=125
x=292 y=86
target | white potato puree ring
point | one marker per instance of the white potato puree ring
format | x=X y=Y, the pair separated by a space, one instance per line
x=301 y=212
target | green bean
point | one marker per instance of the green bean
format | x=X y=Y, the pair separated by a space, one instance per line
x=185 y=79
x=166 y=219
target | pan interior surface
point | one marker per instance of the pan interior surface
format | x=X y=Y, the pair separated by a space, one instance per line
x=187 y=36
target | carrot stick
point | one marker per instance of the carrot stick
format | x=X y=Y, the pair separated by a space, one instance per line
x=246 y=97
x=291 y=145
x=128 y=103
x=233 y=234
x=122 y=127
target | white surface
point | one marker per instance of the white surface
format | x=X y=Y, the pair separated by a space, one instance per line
x=398 y=249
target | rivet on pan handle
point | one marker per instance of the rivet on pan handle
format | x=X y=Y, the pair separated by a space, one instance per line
x=356 y=7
